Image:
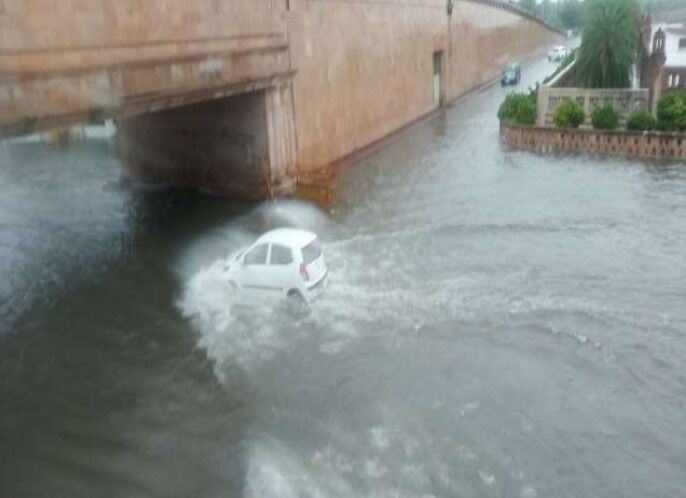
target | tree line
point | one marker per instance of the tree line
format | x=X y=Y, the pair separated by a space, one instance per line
x=574 y=14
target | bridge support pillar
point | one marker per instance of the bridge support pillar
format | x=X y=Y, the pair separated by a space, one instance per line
x=242 y=146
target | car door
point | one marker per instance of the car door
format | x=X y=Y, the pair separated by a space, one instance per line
x=255 y=272
x=282 y=267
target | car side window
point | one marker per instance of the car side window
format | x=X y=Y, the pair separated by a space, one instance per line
x=281 y=255
x=257 y=256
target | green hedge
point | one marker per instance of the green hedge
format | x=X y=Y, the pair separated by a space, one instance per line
x=605 y=118
x=640 y=121
x=518 y=108
x=569 y=114
x=671 y=112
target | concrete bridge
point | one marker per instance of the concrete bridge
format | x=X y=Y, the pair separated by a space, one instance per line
x=237 y=96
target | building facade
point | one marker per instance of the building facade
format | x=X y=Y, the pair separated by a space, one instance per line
x=664 y=70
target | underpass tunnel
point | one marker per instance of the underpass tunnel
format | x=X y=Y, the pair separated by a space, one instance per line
x=241 y=146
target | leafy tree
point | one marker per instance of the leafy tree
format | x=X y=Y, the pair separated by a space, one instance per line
x=569 y=114
x=548 y=11
x=640 y=121
x=518 y=108
x=658 y=6
x=671 y=112
x=571 y=14
x=529 y=5
x=609 y=45
x=605 y=118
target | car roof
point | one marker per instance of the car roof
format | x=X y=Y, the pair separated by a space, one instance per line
x=292 y=237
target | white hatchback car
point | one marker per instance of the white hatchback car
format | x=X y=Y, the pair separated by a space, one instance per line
x=285 y=262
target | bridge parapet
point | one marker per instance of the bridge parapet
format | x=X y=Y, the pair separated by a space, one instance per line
x=516 y=9
x=73 y=61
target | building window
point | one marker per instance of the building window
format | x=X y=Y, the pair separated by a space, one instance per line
x=682 y=43
x=677 y=80
x=670 y=81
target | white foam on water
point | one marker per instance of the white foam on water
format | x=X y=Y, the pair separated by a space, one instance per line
x=486 y=478
x=362 y=298
x=293 y=213
x=237 y=330
x=274 y=471
x=372 y=467
x=229 y=334
x=380 y=438
x=528 y=492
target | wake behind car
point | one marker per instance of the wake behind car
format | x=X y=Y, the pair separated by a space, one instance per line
x=285 y=263
x=512 y=73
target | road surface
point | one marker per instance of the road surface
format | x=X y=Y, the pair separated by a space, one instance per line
x=498 y=324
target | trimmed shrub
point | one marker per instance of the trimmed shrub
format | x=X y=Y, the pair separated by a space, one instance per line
x=569 y=114
x=518 y=108
x=671 y=112
x=640 y=121
x=605 y=118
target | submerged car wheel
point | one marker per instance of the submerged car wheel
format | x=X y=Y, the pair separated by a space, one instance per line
x=233 y=291
x=297 y=305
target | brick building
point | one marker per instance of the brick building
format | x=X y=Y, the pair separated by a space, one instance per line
x=665 y=67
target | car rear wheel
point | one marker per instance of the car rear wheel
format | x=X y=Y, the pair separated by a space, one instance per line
x=297 y=305
x=233 y=289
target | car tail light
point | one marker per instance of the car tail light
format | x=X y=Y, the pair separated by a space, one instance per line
x=303 y=272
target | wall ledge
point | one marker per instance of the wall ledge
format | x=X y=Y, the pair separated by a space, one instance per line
x=505 y=5
x=622 y=143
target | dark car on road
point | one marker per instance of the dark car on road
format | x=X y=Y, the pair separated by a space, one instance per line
x=512 y=73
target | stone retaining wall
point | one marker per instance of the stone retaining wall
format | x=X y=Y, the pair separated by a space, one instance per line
x=643 y=145
x=624 y=101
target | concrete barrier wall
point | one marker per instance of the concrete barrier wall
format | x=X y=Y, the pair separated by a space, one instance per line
x=624 y=101
x=42 y=35
x=643 y=145
x=365 y=68
x=69 y=61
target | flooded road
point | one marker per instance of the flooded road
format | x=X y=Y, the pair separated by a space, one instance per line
x=498 y=324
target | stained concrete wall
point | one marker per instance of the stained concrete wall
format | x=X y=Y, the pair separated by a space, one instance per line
x=69 y=61
x=365 y=68
x=39 y=35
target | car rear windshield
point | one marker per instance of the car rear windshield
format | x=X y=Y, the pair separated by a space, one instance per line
x=311 y=252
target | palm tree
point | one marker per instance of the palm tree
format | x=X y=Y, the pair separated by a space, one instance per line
x=609 y=45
